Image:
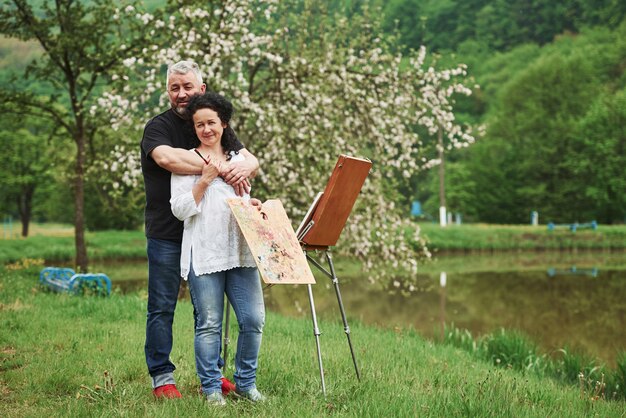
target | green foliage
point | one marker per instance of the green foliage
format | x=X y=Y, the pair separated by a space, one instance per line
x=511 y=349
x=597 y=160
x=620 y=376
x=498 y=24
x=27 y=165
x=108 y=211
x=407 y=18
x=549 y=134
x=458 y=186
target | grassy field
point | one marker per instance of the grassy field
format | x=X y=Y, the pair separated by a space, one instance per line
x=483 y=237
x=101 y=245
x=83 y=356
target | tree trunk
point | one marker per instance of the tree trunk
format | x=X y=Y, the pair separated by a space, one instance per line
x=82 y=262
x=442 y=189
x=25 y=205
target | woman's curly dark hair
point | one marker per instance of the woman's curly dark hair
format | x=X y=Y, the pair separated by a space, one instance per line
x=224 y=110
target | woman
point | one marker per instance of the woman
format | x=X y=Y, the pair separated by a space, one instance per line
x=215 y=256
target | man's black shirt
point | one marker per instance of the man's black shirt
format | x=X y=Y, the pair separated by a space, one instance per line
x=165 y=129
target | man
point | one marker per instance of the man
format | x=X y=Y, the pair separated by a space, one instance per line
x=164 y=145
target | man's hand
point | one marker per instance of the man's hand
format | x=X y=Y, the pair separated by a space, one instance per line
x=237 y=174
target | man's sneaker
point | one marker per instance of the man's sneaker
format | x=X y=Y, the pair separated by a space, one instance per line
x=167 y=392
x=252 y=395
x=216 y=398
x=227 y=386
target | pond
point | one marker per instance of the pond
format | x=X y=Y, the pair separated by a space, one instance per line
x=574 y=300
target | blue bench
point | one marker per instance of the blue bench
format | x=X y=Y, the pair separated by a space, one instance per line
x=573 y=227
x=61 y=279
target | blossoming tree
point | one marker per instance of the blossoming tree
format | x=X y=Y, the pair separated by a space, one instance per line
x=306 y=89
x=437 y=106
x=82 y=44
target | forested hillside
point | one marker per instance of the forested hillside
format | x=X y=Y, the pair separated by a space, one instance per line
x=549 y=102
x=551 y=99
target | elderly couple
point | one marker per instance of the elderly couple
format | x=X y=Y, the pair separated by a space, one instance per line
x=192 y=162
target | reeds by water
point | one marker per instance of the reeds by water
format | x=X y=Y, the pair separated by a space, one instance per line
x=512 y=349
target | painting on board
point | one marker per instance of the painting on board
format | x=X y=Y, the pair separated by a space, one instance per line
x=273 y=242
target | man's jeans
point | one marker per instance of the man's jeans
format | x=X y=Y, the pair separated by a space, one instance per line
x=243 y=288
x=163 y=285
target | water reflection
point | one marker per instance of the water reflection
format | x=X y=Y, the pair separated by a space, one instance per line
x=479 y=292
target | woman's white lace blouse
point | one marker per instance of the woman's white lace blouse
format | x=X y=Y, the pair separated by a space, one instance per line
x=212 y=240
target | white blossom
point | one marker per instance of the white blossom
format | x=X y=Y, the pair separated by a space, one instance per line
x=297 y=111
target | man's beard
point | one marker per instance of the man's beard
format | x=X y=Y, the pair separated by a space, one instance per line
x=181 y=111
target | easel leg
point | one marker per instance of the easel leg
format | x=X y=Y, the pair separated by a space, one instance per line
x=317 y=334
x=343 y=311
x=335 y=281
x=226 y=335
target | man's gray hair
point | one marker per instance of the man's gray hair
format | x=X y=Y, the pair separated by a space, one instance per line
x=183 y=67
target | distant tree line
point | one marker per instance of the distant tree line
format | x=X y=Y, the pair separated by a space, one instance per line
x=499 y=25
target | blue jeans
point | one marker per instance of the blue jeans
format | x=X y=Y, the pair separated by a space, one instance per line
x=243 y=288
x=163 y=285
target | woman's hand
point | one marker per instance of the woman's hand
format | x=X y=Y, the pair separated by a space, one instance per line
x=210 y=171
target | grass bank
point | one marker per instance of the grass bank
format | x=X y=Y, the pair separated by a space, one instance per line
x=483 y=237
x=101 y=245
x=83 y=356
x=56 y=242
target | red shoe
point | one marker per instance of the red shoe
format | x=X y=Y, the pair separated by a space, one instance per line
x=227 y=386
x=166 y=391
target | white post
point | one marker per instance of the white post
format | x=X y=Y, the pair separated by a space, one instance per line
x=534 y=218
x=442 y=216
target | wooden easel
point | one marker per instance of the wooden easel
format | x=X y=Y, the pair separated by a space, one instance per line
x=321 y=227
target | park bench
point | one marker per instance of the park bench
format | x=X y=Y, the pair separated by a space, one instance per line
x=65 y=280
x=573 y=226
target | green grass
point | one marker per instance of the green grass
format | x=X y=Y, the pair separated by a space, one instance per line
x=83 y=356
x=101 y=245
x=483 y=237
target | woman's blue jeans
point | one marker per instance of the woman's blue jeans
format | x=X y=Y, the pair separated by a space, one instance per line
x=243 y=288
